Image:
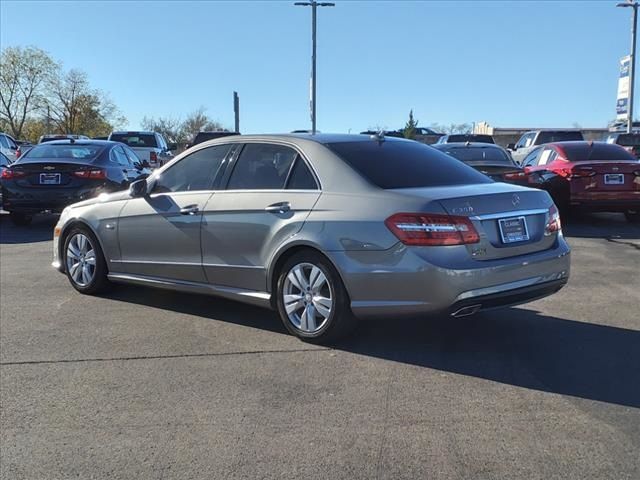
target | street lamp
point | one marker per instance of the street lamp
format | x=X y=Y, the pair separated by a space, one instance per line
x=632 y=60
x=314 y=6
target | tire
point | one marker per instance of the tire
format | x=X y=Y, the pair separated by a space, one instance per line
x=632 y=216
x=20 y=219
x=95 y=280
x=327 y=299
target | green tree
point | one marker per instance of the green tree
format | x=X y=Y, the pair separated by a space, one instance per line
x=25 y=75
x=409 y=130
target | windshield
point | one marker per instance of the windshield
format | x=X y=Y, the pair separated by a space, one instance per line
x=135 y=139
x=479 y=154
x=67 y=152
x=629 y=140
x=405 y=164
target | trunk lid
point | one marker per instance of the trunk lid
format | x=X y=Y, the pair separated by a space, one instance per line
x=604 y=177
x=499 y=212
x=50 y=174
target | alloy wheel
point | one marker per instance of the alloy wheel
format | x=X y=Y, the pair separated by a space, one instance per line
x=307 y=297
x=81 y=260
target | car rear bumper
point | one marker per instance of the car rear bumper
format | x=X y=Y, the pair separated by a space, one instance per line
x=34 y=200
x=401 y=282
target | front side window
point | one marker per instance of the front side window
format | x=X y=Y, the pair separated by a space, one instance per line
x=194 y=172
x=4 y=142
x=262 y=166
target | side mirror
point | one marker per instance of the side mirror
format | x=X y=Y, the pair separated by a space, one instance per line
x=511 y=146
x=138 y=188
x=172 y=146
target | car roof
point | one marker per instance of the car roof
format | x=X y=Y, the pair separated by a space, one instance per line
x=132 y=132
x=467 y=145
x=322 y=138
x=82 y=141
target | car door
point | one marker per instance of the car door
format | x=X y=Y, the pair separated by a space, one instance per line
x=119 y=157
x=159 y=234
x=137 y=171
x=270 y=191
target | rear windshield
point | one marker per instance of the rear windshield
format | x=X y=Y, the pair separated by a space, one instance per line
x=596 y=151
x=629 y=140
x=550 y=137
x=78 y=153
x=479 y=154
x=405 y=164
x=135 y=139
x=470 y=138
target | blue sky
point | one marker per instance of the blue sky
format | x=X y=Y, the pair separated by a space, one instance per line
x=548 y=63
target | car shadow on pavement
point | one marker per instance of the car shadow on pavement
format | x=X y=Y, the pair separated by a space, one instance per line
x=514 y=346
x=600 y=225
x=40 y=230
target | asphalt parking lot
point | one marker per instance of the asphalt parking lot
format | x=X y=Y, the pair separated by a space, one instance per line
x=146 y=384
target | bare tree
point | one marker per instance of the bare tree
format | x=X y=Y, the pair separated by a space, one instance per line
x=198 y=121
x=75 y=107
x=182 y=131
x=169 y=127
x=25 y=74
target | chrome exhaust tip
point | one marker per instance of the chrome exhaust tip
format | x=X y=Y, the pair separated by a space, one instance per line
x=466 y=311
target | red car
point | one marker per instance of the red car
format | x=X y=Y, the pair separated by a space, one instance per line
x=590 y=176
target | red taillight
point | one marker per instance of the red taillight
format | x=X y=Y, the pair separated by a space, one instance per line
x=97 y=174
x=578 y=172
x=514 y=176
x=11 y=174
x=428 y=229
x=553 y=221
x=18 y=153
x=153 y=157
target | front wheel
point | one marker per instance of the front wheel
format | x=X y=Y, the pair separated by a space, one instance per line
x=312 y=301
x=633 y=216
x=84 y=262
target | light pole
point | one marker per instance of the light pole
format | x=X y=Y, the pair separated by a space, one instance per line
x=632 y=60
x=314 y=6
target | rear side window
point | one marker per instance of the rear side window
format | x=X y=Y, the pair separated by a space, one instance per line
x=118 y=156
x=593 y=151
x=4 y=161
x=194 y=172
x=405 y=164
x=262 y=166
x=3 y=141
x=135 y=139
x=301 y=177
x=551 y=137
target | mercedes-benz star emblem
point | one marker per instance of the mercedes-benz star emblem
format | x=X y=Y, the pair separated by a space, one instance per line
x=515 y=200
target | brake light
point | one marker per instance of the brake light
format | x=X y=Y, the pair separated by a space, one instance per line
x=583 y=172
x=427 y=229
x=96 y=174
x=153 y=157
x=18 y=153
x=8 y=174
x=553 y=221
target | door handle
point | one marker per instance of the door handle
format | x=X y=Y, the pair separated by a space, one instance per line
x=189 y=210
x=282 y=207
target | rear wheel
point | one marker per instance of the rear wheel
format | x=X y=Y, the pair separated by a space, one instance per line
x=20 y=219
x=84 y=262
x=312 y=301
x=632 y=216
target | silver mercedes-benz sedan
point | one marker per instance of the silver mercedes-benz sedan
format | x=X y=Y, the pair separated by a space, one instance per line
x=325 y=229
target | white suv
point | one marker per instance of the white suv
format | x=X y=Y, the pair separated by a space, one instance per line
x=8 y=146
